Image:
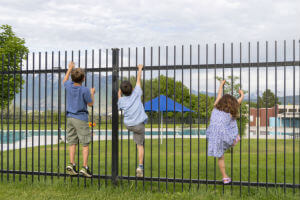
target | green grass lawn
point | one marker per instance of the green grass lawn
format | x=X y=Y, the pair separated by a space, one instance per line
x=163 y=165
x=65 y=189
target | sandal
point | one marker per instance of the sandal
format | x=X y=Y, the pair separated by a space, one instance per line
x=226 y=180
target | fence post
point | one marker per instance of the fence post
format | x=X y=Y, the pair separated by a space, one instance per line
x=115 y=116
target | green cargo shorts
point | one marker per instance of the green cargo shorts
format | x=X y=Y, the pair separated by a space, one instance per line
x=78 y=130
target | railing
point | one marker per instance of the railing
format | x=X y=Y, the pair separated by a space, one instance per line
x=34 y=145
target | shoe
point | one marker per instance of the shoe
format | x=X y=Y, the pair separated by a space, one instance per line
x=139 y=172
x=85 y=172
x=226 y=180
x=71 y=170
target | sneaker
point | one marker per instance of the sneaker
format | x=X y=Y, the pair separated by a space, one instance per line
x=85 y=172
x=71 y=169
x=139 y=172
x=226 y=180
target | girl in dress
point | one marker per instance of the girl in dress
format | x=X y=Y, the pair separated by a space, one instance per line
x=222 y=132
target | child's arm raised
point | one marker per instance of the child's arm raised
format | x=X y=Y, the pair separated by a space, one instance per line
x=92 y=90
x=242 y=96
x=219 y=92
x=138 y=79
x=119 y=94
x=71 y=66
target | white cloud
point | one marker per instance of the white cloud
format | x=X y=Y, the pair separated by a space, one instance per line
x=48 y=25
x=93 y=24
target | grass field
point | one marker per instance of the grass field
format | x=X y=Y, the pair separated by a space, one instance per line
x=163 y=165
x=60 y=189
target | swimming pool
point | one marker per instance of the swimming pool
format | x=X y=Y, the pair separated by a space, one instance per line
x=17 y=135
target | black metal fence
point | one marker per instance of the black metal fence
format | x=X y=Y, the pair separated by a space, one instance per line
x=33 y=115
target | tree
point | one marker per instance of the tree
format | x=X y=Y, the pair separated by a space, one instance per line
x=182 y=95
x=232 y=87
x=12 y=52
x=267 y=99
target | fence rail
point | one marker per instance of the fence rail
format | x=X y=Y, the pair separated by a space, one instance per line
x=34 y=145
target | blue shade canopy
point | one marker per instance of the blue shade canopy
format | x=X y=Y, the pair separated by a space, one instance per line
x=162 y=105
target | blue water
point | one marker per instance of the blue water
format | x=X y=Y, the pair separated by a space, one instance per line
x=16 y=136
x=280 y=133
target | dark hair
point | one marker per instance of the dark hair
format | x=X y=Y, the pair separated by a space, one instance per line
x=77 y=75
x=229 y=104
x=126 y=88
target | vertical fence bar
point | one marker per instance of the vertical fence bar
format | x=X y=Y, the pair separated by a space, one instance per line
x=92 y=137
x=99 y=131
x=78 y=147
x=198 y=115
x=136 y=64
x=206 y=110
x=167 y=118
x=294 y=124
x=284 y=124
x=14 y=121
x=26 y=107
x=159 y=131
x=223 y=77
x=258 y=117
x=7 y=114
x=190 y=117
x=39 y=142
x=267 y=110
x=115 y=116
x=299 y=113
x=106 y=110
x=72 y=59
x=121 y=122
x=32 y=119
x=182 y=130
x=2 y=105
x=215 y=96
x=241 y=122
x=151 y=113
x=128 y=137
x=65 y=121
x=52 y=93
x=144 y=79
x=174 y=119
x=20 y=117
x=249 y=77
x=59 y=116
x=276 y=107
x=85 y=84
x=231 y=153
x=45 y=117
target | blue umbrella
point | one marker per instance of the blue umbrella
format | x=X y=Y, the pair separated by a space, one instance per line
x=159 y=104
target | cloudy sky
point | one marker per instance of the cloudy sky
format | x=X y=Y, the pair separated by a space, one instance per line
x=94 y=24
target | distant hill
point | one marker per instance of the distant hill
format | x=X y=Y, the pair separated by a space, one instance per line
x=102 y=91
x=55 y=92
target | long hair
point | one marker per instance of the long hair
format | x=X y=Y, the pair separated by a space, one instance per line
x=229 y=104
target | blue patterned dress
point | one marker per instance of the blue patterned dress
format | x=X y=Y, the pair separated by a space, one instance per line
x=221 y=133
